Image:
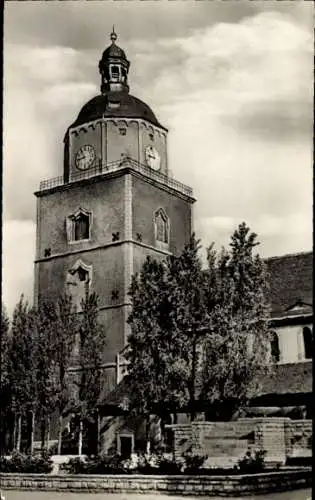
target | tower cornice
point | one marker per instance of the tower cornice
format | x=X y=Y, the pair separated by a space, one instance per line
x=117 y=169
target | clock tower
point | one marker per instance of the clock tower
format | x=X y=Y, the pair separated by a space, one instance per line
x=114 y=205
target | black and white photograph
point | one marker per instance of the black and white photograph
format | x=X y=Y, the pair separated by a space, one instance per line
x=157 y=265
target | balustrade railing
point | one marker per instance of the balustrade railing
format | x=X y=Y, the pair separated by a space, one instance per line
x=101 y=169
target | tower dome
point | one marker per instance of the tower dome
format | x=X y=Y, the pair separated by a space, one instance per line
x=116 y=105
x=115 y=100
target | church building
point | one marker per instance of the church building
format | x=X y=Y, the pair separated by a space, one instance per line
x=116 y=203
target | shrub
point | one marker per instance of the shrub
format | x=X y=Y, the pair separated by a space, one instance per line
x=299 y=461
x=27 y=464
x=147 y=463
x=252 y=462
x=112 y=464
x=74 y=466
x=169 y=466
x=193 y=463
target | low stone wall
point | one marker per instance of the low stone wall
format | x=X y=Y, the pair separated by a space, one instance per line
x=298 y=434
x=184 y=485
x=225 y=443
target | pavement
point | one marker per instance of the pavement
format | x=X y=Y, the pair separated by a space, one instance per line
x=45 y=495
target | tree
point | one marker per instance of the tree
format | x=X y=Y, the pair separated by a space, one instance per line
x=46 y=367
x=91 y=349
x=55 y=327
x=167 y=319
x=236 y=350
x=22 y=366
x=65 y=329
x=199 y=336
x=149 y=357
x=5 y=340
x=187 y=298
x=4 y=379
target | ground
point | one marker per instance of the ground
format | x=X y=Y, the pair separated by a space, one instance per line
x=42 y=495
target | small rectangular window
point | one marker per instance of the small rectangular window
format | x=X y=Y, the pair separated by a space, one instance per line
x=78 y=226
x=115 y=73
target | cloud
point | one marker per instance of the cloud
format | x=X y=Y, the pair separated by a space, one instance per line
x=255 y=75
x=237 y=100
x=287 y=233
x=87 y=24
x=17 y=261
x=44 y=89
x=233 y=85
x=67 y=95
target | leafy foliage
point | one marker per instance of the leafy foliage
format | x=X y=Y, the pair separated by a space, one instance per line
x=65 y=331
x=22 y=358
x=253 y=462
x=5 y=390
x=4 y=350
x=27 y=464
x=111 y=464
x=154 y=464
x=37 y=355
x=92 y=343
x=236 y=351
x=45 y=362
x=168 y=313
x=199 y=335
x=193 y=463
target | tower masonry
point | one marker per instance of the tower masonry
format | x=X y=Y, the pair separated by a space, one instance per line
x=114 y=205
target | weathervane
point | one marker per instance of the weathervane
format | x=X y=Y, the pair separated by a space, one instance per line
x=113 y=35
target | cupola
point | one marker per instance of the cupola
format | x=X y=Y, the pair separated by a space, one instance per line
x=114 y=68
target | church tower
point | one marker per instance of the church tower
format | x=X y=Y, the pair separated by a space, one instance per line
x=114 y=205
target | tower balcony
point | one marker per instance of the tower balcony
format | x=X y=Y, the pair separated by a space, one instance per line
x=100 y=170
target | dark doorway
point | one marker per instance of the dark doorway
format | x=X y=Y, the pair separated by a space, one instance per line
x=125 y=446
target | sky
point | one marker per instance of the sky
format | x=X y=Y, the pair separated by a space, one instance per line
x=231 y=80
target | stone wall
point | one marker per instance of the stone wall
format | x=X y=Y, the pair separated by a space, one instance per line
x=183 y=485
x=182 y=438
x=226 y=442
x=223 y=442
x=298 y=438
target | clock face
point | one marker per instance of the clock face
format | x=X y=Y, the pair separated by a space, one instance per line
x=152 y=158
x=85 y=157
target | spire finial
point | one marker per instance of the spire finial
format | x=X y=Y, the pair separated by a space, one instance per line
x=113 y=35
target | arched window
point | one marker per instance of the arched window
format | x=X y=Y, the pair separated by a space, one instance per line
x=274 y=347
x=161 y=227
x=78 y=226
x=308 y=342
x=81 y=227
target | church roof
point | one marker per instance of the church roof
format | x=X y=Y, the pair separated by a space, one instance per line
x=115 y=105
x=117 y=397
x=113 y=51
x=291 y=284
x=290 y=378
